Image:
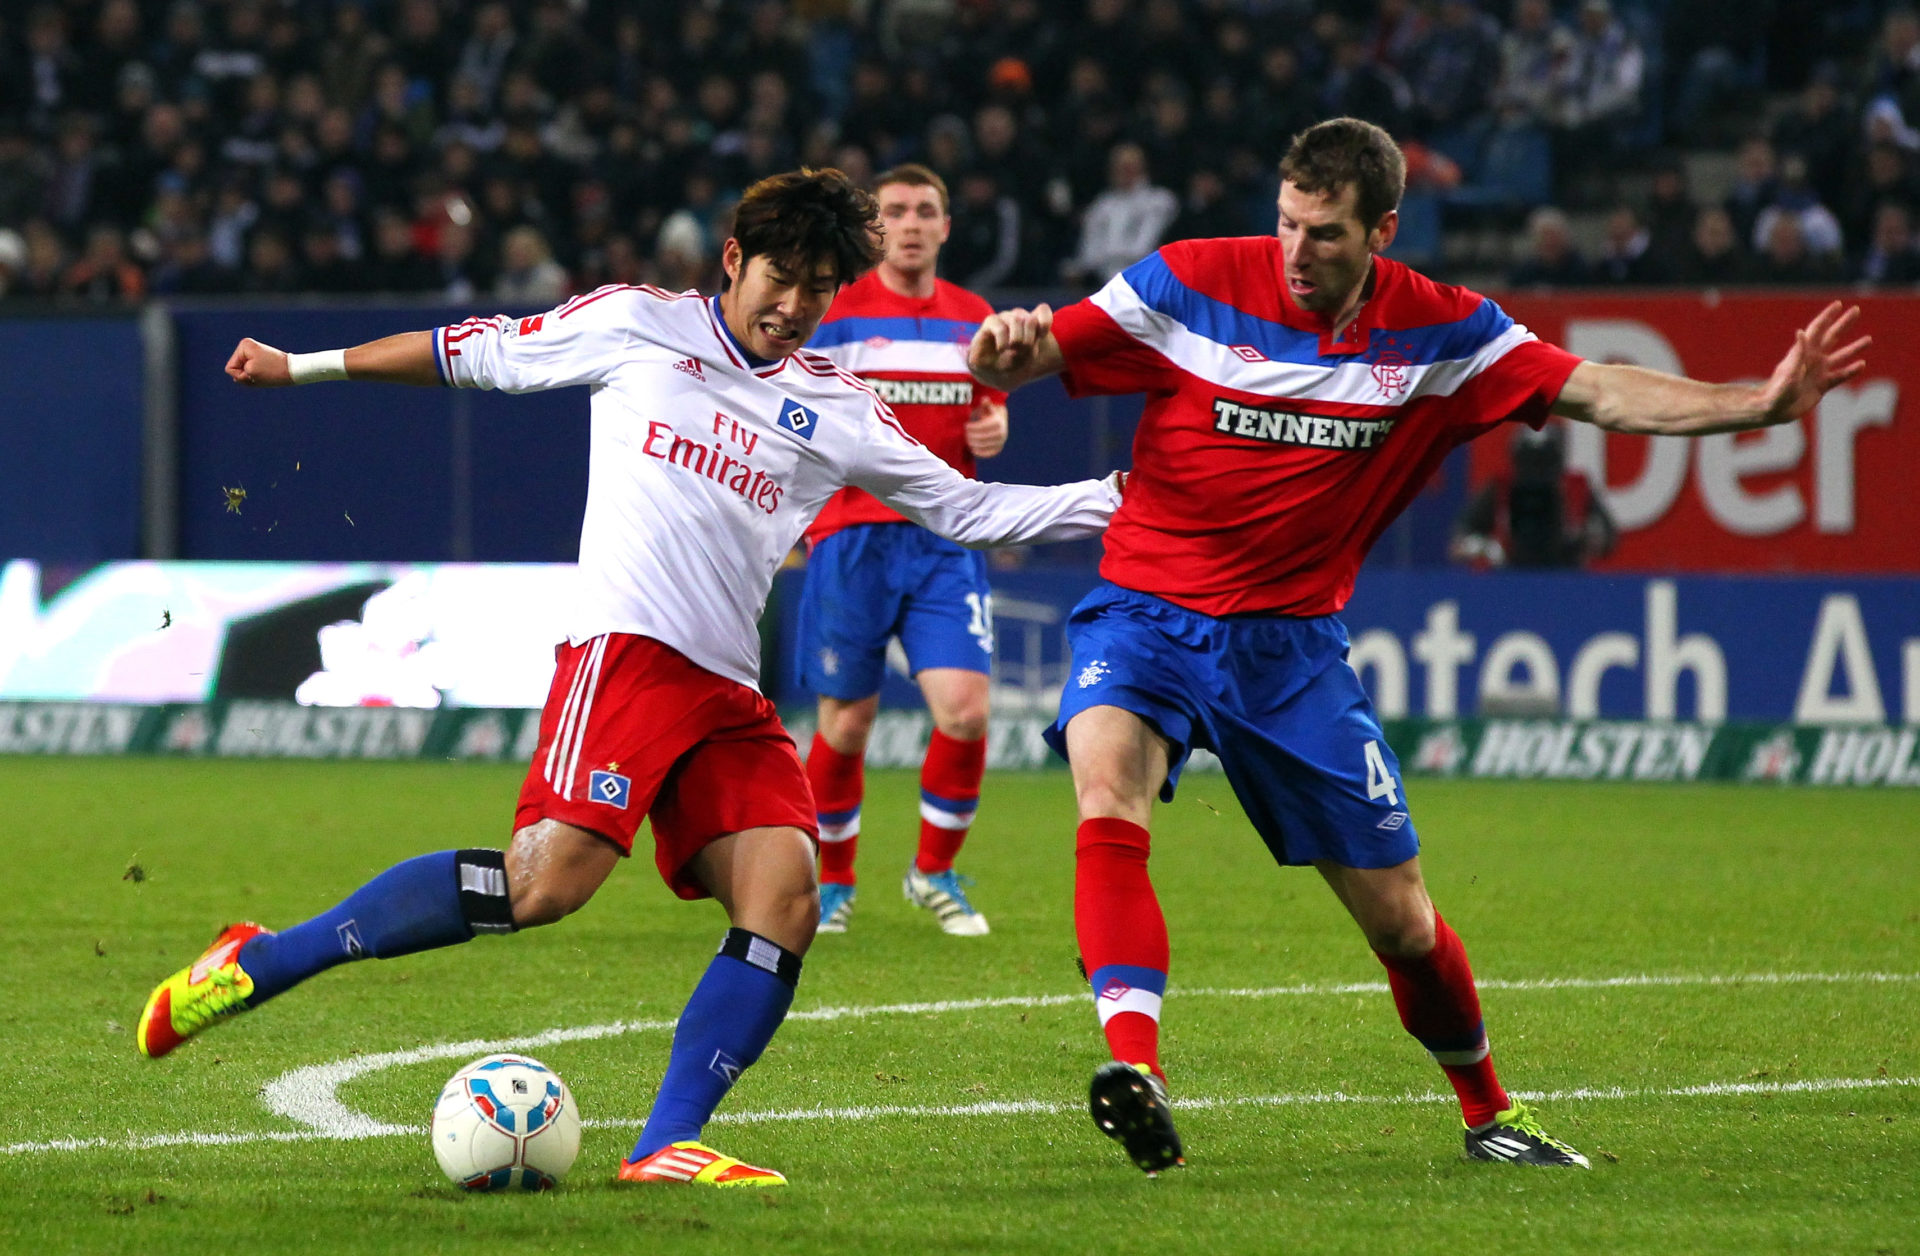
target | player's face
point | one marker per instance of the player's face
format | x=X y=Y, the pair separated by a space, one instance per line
x=915 y=224
x=1327 y=249
x=773 y=306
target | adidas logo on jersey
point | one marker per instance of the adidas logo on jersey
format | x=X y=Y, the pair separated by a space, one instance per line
x=691 y=366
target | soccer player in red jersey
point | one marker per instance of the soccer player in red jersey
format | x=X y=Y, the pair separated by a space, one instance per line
x=873 y=576
x=1300 y=389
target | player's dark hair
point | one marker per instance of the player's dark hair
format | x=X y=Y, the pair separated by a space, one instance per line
x=804 y=217
x=1346 y=152
x=914 y=175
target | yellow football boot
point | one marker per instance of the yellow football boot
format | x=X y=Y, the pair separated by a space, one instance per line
x=211 y=989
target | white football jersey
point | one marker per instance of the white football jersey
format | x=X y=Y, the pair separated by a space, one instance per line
x=707 y=465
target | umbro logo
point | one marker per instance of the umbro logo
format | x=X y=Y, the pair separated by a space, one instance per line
x=1393 y=822
x=1247 y=353
x=691 y=366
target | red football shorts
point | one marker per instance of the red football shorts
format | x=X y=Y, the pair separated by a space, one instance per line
x=632 y=728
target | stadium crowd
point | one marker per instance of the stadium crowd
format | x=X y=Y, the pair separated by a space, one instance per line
x=522 y=149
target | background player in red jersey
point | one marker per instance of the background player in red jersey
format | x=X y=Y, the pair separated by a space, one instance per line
x=1300 y=389
x=873 y=576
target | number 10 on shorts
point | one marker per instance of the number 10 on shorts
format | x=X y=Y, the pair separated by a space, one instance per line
x=1380 y=782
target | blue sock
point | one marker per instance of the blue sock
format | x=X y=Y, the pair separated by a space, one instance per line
x=432 y=901
x=729 y=1021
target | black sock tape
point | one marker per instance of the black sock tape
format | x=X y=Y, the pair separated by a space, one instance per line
x=483 y=890
x=763 y=953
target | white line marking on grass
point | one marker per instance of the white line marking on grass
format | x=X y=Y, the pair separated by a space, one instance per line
x=310 y=1095
x=1016 y=1107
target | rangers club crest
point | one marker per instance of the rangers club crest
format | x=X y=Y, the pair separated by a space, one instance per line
x=1390 y=372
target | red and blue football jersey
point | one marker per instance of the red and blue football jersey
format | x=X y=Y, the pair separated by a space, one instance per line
x=913 y=352
x=1272 y=455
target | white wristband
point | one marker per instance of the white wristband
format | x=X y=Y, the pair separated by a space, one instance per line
x=315 y=368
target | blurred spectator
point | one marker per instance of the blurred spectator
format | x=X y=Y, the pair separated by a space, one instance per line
x=1537 y=513
x=1626 y=255
x=1895 y=72
x=1536 y=57
x=1398 y=30
x=397 y=265
x=1716 y=255
x=488 y=51
x=1600 y=97
x=1890 y=256
x=1817 y=130
x=52 y=68
x=1359 y=87
x=187 y=268
x=1670 y=215
x=1454 y=69
x=13 y=260
x=46 y=261
x=1884 y=175
x=528 y=273
x=23 y=176
x=1785 y=258
x=1754 y=186
x=1819 y=229
x=1552 y=259
x=323 y=267
x=271 y=269
x=1206 y=213
x=73 y=177
x=104 y=272
x=1125 y=223
x=984 y=246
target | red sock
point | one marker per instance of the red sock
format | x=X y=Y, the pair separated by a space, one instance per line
x=839 y=782
x=1440 y=1006
x=949 y=795
x=1123 y=936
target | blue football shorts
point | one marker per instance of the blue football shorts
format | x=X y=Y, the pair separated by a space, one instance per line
x=1272 y=696
x=873 y=581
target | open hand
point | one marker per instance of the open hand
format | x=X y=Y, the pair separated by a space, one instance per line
x=258 y=366
x=1818 y=363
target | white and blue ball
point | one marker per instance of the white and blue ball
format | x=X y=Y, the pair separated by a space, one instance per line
x=506 y=1122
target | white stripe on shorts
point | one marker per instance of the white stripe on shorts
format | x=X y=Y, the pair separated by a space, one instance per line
x=599 y=654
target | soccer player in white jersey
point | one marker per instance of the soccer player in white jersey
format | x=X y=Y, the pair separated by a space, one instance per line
x=1300 y=390
x=873 y=576
x=715 y=439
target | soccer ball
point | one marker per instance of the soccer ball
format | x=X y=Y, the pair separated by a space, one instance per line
x=505 y=1121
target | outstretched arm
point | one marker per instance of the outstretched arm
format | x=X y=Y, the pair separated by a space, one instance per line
x=1015 y=347
x=403 y=359
x=1634 y=399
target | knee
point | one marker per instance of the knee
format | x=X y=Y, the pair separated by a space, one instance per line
x=541 y=901
x=965 y=723
x=1102 y=791
x=846 y=726
x=1410 y=936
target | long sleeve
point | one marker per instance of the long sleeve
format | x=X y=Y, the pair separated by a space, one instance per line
x=577 y=343
x=904 y=474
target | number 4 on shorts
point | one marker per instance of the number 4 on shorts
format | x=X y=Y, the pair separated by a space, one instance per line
x=1379 y=780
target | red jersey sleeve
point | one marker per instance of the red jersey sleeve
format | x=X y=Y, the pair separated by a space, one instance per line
x=1522 y=386
x=1104 y=359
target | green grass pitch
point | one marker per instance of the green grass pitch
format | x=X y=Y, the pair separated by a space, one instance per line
x=1311 y=1124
